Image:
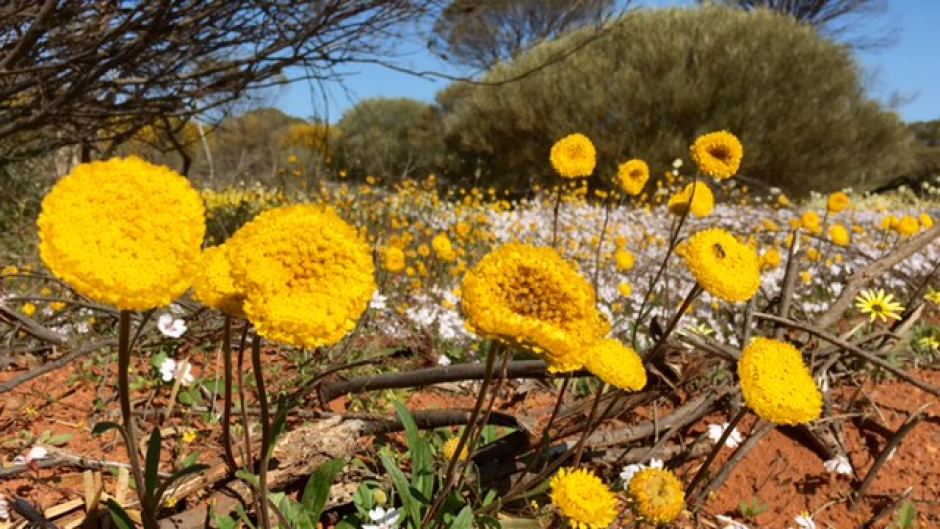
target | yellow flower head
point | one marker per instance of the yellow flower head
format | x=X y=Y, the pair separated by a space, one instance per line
x=837 y=202
x=811 y=222
x=839 y=235
x=624 y=260
x=770 y=259
x=533 y=298
x=926 y=221
x=573 y=156
x=443 y=249
x=718 y=154
x=28 y=309
x=583 y=499
x=889 y=222
x=307 y=274
x=213 y=285
x=933 y=296
x=776 y=383
x=702 y=200
x=449 y=449
x=393 y=259
x=632 y=176
x=625 y=289
x=123 y=232
x=658 y=495
x=907 y=226
x=725 y=267
x=878 y=305
x=616 y=364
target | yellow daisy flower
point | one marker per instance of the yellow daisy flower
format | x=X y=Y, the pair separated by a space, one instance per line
x=878 y=305
x=583 y=499
x=718 y=154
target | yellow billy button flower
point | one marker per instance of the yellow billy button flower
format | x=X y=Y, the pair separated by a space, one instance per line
x=770 y=259
x=878 y=305
x=449 y=449
x=573 y=156
x=839 y=235
x=123 y=232
x=625 y=289
x=531 y=297
x=307 y=274
x=583 y=499
x=443 y=249
x=616 y=364
x=213 y=285
x=657 y=495
x=926 y=221
x=632 y=176
x=624 y=260
x=700 y=203
x=28 y=309
x=725 y=267
x=718 y=154
x=837 y=202
x=393 y=259
x=776 y=383
x=907 y=226
x=811 y=222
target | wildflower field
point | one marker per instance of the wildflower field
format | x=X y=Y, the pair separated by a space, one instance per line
x=674 y=349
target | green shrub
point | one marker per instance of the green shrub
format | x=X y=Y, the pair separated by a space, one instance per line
x=655 y=79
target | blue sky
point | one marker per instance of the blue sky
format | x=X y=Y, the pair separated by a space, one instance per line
x=907 y=72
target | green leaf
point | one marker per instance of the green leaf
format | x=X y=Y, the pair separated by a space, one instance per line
x=103 y=427
x=176 y=476
x=422 y=474
x=59 y=440
x=906 y=517
x=317 y=490
x=119 y=516
x=280 y=419
x=464 y=519
x=190 y=459
x=412 y=506
x=152 y=468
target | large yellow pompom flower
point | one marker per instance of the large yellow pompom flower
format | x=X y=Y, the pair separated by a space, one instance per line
x=632 y=176
x=837 y=202
x=573 y=156
x=657 y=494
x=718 y=154
x=583 y=499
x=213 y=285
x=533 y=298
x=776 y=383
x=307 y=275
x=616 y=364
x=722 y=265
x=123 y=232
x=700 y=202
x=839 y=235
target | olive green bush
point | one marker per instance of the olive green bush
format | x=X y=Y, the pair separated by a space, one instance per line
x=652 y=80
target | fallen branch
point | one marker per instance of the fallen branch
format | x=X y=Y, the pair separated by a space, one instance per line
x=889 y=449
x=56 y=364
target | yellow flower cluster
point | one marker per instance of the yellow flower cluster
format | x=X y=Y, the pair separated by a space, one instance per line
x=718 y=154
x=583 y=499
x=531 y=297
x=837 y=202
x=443 y=249
x=123 y=232
x=616 y=364
x=449 y=449
x=722 y=265
x=632 y=176
x=776 y=383
x=657 y=494
x=573 y=156
x=213 y=285
x=307 y=274
x=697 y=199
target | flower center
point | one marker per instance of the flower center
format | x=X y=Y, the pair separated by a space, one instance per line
x=532 y=295
x=721 y=152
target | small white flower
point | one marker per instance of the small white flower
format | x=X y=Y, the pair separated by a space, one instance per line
x=383 y=519
x=4 y=509
x=730 y=523
x=444 y=360
x=656 y=463
x=629 y=471
x=171 y=327
x=715 y=431
x=804 y=521
x=378 y=301
x=34 y=454
x=170 y=371
x=677 y=163
x=840 y=465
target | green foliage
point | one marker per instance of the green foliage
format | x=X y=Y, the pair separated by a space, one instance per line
x=389 y=138
x=906 y=517
x=652 y=80
x=751 y=510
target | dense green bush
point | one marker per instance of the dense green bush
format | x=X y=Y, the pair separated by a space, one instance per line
x=654 y=79
x=390 y=138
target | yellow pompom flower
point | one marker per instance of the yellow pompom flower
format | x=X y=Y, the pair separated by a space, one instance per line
x=123 y=232
x=449 y=449
x=213 y=285
x=907 y=226
x=583 y=499
x=776 y=383
x=700 y=202
x=725 y=267
x=443 y=248
x=632 y=176
x=926 y=221
x=889 y=222
x=393 y=259
x=624 y=260
x=657 y=494
x=811 y=222
x=718 y=154
x=307 y=274
x=837 y=202
x=28 y=309
x=573 y=156
x=531 y=297
x=770 y=259
x=625 y=289
x=616 y=364
x=839 y=235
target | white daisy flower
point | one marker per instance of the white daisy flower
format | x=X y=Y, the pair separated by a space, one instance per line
x=840 y=465
x=383 y=519
x=171 y=370
x=715 y=431
x=171 y=327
